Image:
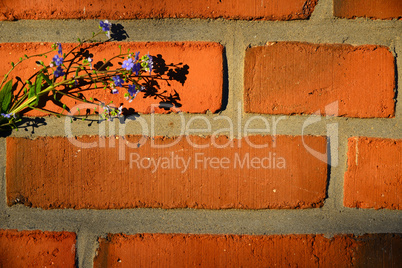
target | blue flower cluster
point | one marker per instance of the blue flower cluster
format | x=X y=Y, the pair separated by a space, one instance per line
x=135 y=65
x=58 y=61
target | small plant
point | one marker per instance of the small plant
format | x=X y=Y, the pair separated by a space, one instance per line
x=71 y=70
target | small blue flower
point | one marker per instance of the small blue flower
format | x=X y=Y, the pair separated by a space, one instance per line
x=8 y=115
x=128 y=64
x=105 y=25
x=132 y=90
x=60 y=50
x=57 y=60
x=117 y=81
x=115 y=91
x=137 y=56
x=136 y=68
x=58 y=72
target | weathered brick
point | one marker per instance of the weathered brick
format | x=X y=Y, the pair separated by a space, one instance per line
x=302 y=78
x=374 y=175
x=37 y=249
x=136 y=9
x=50 y=172
x=375 y=9
x=179 y=250
x=200 y=91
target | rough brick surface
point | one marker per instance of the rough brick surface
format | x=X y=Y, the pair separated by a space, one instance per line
x=136 y=9
x=200 y=91
x=37 y=249
x=166 y=250
x=375 y=9
x=374 y=175
x=71 y=176
x=302 y=78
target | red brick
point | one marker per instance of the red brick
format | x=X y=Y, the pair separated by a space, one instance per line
x=50 y=172
x=180 y=250
x=201 y=91
x=37 y=249
x=302 y=78
x=375 y=9
x=135 y=9
x=374 y=175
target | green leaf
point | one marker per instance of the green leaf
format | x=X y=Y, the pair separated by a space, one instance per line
x=38 y=83
x=36 y=88
x=48 y=81
x=6 y=95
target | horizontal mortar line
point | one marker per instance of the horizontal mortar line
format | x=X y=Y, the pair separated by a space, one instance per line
x=340 y=27
x=284 y=129
x=226 y=223
x=272 y=38
x=345 y=211
x=171 y=22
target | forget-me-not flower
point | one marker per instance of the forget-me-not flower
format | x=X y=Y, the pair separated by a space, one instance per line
x=7 y=115
x=117 y=81
x=128 y=64
x=57 y=60
x=60 y=50
x=58 y=72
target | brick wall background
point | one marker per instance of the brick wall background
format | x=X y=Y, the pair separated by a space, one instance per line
x=322 y=75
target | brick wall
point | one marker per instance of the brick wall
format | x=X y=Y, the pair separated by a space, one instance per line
x=284 y=147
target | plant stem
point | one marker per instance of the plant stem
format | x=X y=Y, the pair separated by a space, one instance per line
x=20 y=61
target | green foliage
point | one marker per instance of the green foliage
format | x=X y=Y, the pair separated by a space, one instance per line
x=6 y=95
x=35 y=89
